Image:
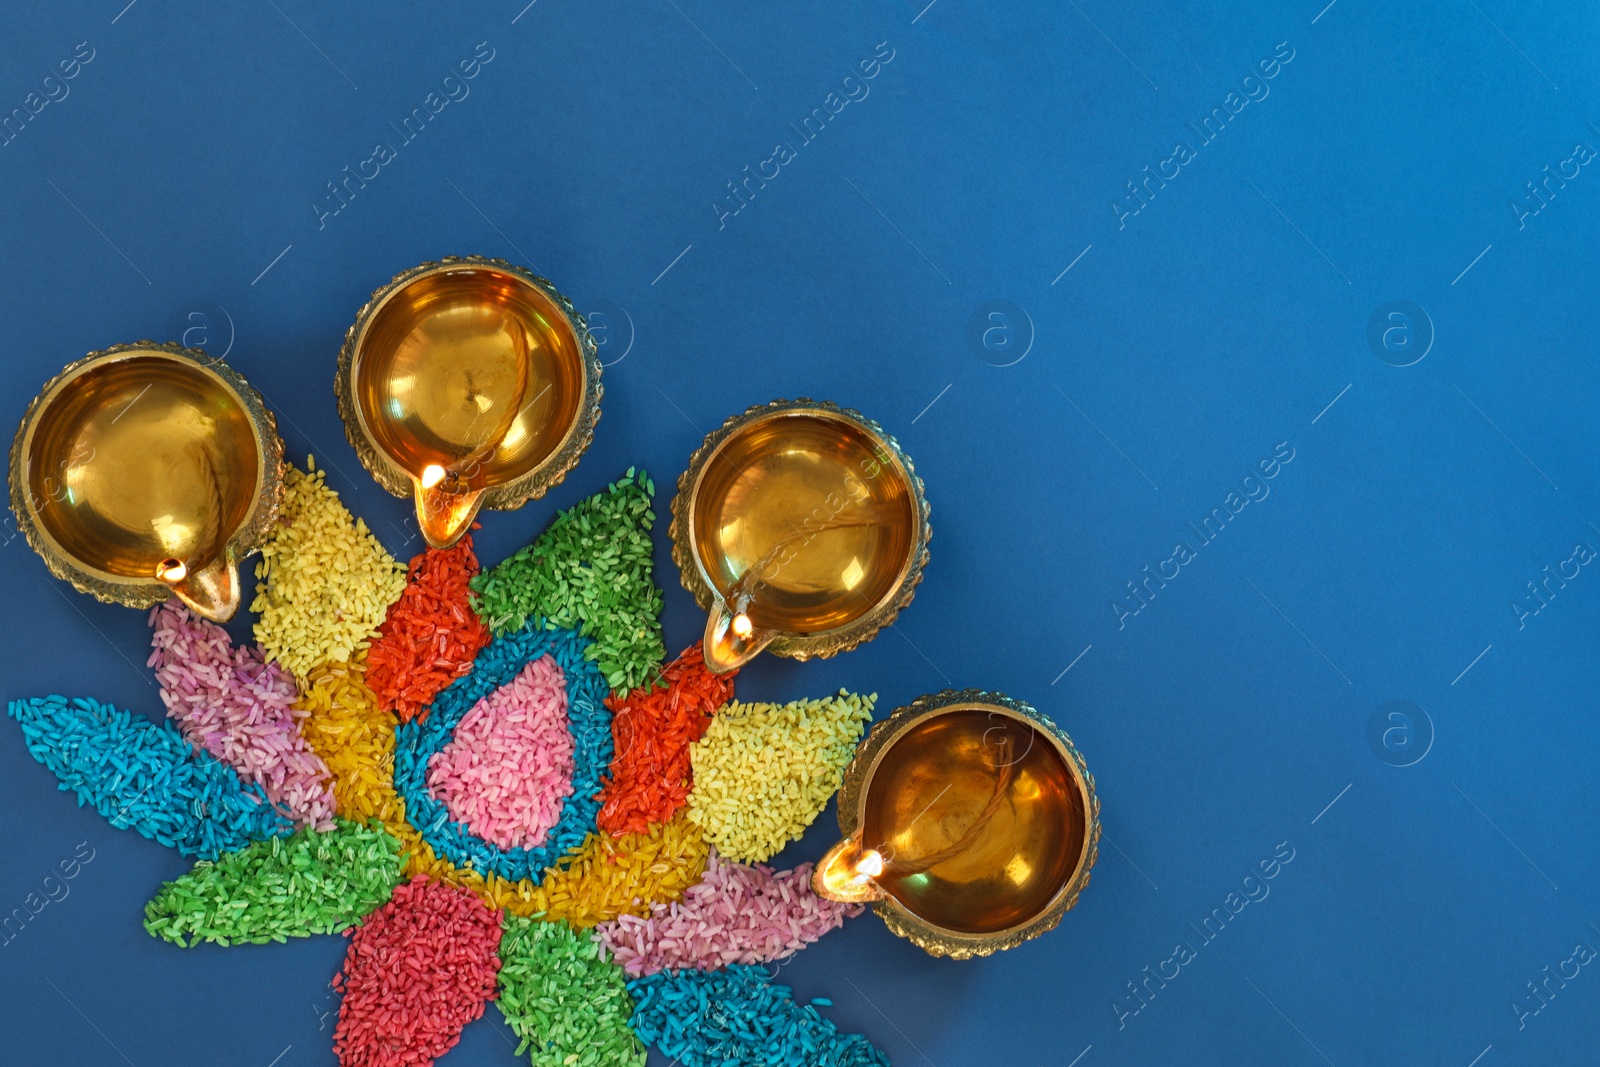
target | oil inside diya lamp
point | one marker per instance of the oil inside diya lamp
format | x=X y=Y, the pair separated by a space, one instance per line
x=148 y=471
x=468 y=383
x=970 y=824
x=800 y=527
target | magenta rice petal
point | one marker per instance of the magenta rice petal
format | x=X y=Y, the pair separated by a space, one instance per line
x=241 y=710
x=738 y=913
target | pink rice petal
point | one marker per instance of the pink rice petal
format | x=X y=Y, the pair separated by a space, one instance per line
x=507 y=771
x=738 y=913
x=230 y=703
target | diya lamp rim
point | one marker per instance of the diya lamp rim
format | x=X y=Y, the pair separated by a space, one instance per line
x=819 y=644
x=132 y=590
x=506 y=496
x=901 y=921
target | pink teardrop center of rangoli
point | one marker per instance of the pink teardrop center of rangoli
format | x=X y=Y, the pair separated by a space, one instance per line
x=508 y=769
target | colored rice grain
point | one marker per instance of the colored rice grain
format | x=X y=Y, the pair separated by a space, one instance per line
x=311 y=883
x=325 y=581
x=144 y=776
x=345 y=725
x=512 y=897
x=653 y=729
x=356 y=738
x=418 y=970
x=239 y=709
x=564 y=1000
x=515 y=898
x=612 y=876
x=421 y=859
x=738 y=1017
x=764 y=772
x=588 y=721
x=509 y=766
x=735 y=914
x=591 y=571
x=520 y=897
x=431 y=633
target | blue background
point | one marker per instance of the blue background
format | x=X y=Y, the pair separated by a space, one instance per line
x=1184 y=344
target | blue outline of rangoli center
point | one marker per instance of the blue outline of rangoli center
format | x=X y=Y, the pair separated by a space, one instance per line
x=588 y=720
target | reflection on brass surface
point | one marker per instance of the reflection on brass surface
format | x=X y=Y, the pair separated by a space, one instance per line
x=145 y=471
x=465 y=383
x=984 y=816
x=799 y=526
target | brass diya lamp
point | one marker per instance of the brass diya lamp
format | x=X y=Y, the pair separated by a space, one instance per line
x=148 y=471
x=800 y=527
x=468 y=383
x=970 y=823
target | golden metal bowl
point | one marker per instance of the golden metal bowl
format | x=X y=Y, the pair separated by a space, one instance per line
x=148 y=471
x=468 y=383
x=800 y=526
x=970 y=822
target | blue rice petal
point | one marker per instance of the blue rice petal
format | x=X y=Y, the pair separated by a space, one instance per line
x=739 y=1017
x=145 y=776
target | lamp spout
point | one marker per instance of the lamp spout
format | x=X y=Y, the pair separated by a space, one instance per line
x=211 y=591
x=732 y=639
x=443 y=516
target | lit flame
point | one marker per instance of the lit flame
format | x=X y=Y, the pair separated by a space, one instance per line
x=848 y=873
x=432 y=475
x=171 y=571
x=870 y=865
x=742 y=625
